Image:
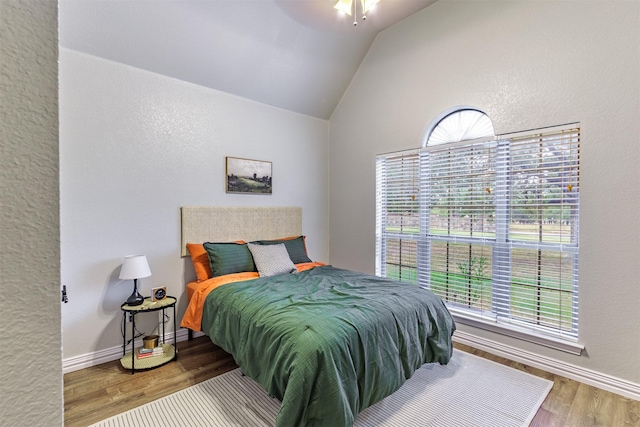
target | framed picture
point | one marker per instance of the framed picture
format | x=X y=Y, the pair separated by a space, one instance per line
x=247 y=176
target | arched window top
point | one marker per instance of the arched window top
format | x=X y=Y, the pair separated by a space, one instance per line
x=458 y=124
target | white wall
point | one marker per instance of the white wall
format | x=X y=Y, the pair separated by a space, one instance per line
x=134 y=147
x=29 y=215
x=527 y=65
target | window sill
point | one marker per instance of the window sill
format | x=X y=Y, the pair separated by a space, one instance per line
x=516 y=332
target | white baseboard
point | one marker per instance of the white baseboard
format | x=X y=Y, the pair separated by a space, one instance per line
x=605 y=382
x=114 y=353
x=577 y=373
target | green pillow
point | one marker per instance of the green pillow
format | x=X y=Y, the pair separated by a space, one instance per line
x=229 y=258
x=296 y=248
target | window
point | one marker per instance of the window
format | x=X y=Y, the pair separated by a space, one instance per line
x=489 y=224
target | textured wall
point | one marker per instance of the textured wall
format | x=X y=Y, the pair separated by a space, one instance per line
x=134 y=147
x=528 y=65
x=31 y=374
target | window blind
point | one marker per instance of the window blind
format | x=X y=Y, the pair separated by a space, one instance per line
x=542 y=238
x=491 y=226
x=460 y=182
x=397 y=216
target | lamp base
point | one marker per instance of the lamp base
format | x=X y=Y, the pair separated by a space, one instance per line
x=135 y=299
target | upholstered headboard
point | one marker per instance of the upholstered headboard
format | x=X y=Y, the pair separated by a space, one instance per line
x=226 y=224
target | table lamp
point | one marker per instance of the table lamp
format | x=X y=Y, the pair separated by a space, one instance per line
x=135 y=267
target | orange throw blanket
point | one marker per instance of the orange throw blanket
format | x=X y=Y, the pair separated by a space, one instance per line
x=193 y=315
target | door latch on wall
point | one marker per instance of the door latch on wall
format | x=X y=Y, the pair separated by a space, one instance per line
x=65 y=299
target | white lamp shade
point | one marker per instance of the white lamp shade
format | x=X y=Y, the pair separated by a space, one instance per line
x=367 y=5
x=135 y=267
x=344 y=6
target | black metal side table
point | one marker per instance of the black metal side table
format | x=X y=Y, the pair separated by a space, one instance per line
x=169 y=353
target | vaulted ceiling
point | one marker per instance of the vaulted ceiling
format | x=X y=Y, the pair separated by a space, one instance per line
x=299 y=55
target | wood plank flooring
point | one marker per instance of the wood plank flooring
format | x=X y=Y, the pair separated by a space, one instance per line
x=99 y=392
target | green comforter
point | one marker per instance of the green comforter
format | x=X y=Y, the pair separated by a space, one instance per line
x=328 y=342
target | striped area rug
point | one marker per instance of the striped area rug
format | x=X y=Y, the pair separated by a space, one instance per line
x=469 y=391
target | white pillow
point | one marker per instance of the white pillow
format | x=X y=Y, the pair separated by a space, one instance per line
x=272 y=259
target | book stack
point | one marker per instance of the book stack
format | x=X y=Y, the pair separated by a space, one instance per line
x=143 y=353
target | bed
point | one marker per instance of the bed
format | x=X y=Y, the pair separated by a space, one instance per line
x=326 y=342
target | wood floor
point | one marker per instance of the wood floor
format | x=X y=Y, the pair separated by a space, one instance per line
x=96 y=393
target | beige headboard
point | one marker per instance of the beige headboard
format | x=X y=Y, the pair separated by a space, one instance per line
x=227 y=224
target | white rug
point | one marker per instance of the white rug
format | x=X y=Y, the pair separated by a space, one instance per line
x=469 y=391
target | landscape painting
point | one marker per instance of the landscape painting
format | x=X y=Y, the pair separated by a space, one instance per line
x=248 y=176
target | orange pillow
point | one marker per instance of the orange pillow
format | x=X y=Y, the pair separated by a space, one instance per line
x=200 y=261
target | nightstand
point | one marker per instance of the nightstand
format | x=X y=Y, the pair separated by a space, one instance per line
x=170 y=352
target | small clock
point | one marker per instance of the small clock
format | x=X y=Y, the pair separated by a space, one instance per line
x=158 y=294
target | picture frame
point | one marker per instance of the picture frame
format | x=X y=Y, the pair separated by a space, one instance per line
x=247 y=176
